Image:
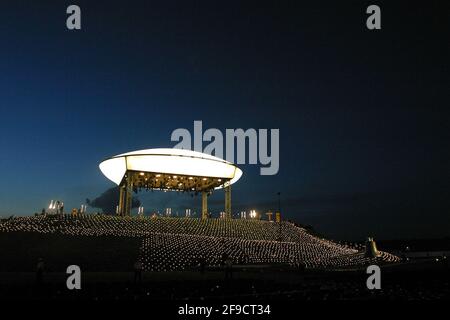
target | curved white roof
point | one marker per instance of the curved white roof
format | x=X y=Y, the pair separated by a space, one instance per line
x=169 y=161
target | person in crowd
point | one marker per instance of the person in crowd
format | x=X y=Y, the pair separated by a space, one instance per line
x=228 y=268
x=40 y=268
x=138 y=266
x=202 y=265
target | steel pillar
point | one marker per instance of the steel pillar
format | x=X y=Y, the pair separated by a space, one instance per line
x=125 y=197
x=228 y=201
x=128 y=201
x=121 y=200
x=204 y=205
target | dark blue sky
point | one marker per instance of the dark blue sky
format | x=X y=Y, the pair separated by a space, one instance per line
x=363 y=115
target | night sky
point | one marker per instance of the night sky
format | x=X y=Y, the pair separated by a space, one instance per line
x=363 y=115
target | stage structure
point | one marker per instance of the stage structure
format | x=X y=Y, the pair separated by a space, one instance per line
x=170 y=170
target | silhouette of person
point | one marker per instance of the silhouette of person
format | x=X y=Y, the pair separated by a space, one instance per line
x=202 y=265
x=40 y=267
x=228 y=268
x=138 y=266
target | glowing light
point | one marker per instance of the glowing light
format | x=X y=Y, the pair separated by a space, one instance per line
x=172 y=162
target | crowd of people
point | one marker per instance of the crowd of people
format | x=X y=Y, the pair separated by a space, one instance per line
x=182 y=243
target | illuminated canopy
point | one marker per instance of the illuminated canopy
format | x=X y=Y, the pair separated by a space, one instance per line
x=171 y=169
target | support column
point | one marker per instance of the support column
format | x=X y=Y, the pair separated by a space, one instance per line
x=128 y=197
x=128 y=202
x=204 y=205
x=121 y=200
x=125 y=197
x=228 y=201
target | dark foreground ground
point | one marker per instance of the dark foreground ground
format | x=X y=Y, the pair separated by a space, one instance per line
x=20 y=251
x=107 y=274
x=416 y=281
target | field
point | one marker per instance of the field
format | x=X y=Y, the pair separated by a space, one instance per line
x=268 y=261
